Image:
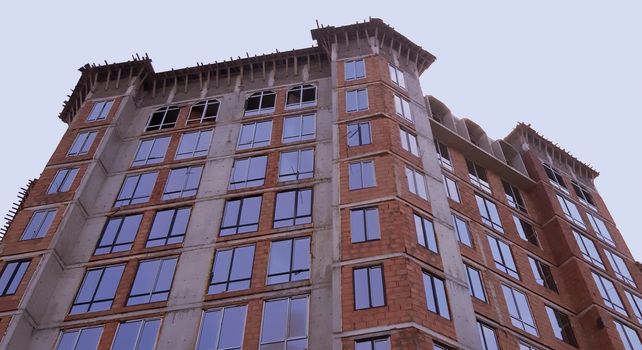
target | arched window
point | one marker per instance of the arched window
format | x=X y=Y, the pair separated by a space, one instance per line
x=163 y=118
x=260 y=103
x=301 y=96
x=203 y=112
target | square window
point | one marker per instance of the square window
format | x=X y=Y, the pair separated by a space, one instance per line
x=359 y=134
x=119 y=234
x=241 y=216
x=203 y=112
x=163 y=118
x=368 y=287
x=373 y=344
x=361 y=175
x=299 y=128
x=137 y=335
x=39 y=224
x=98 y=289
x=151 y=151
x=136 y=189
x=232 y=269
x=82 y=143
x=260 y=103
x=248 y=172
x=354 y=70
x=153 y=281
x=169 y=227
x=100 y=110
x=356 y=100
x=194 y=144
x=255 y=135
x=182 y=182
x=80 y=339
x=364 y=225
x=301 y=96
x=222 y=329
x=12 y=274
x=285 y=324
x=289 y=261
x=293 y=208
x=296 y=165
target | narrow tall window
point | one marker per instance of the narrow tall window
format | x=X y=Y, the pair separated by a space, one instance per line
x=542 y=274
x=436 y=295
x=525 y=230
x=151 y=151
x=409 y=142
x=182 y=182
x=119 y=234
x=203 y=112
x=163 y=118
x=241 y=216
x=296 y=165
x=513 y=197
x=555 y=178
x=137 y=335
x=461 y=227
x=82 y=143
x=628 y=336
x=285 y=324
x=636 y=304
x=356 y=100
x=368 y=287
x=98 y=289
x=452 y=191
x=222 y=329
x=520 y=313
x=589 y=252
x=600 y=229
x=232 y=269
x=608 y=293
x=364 y=224
x=503 y=257
x=583 y=194
x=301 y=96
x=475 y=283
x=169 y=227
x=299 y=128
x=289 y=261
x=136 y=189
x=372 y=344
x=39 y=224
x=443 y=156
x=260 y=103
x=100 y=110
x=487 y=337
x=153 y=281
x=194 y=144
x=354 y=70
x=402 y=107
x=11 y=276
x=293 y=208
x=63 y=180
x=255 y=135
x=361 y=175
x=359 y=134
x=477 y=176
x=561 y=326
x=425 y=231
x=619 y=267
x=489 y=213
x=248 y=172
x=396 y=76
x=80 y=339
x=416 y=183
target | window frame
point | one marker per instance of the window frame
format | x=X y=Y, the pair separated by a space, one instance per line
x=601 y=231
x=402 y=108
x=301 y=103
x=555 y=178
x=136 y=199
x=369 y=287
x=300 y=137
x=488 y=220
x=502 y=265
x=364 y=166
x=196 y=152
x=292 y=271
x=478 y=177
x=583 y=195
x=253 y=226
x=43 y=226
x=63 y=185
x=443 y=155
x=83 y=142
x=610 y=297
x=525 y=230
x=141 y=330
x=409 y=141
x=204 y=118
x=635 y=301
x=519 y=313
x=298 y=174
x=221 y=326
x=563 y=323
x=586 y=252
x=115 y=242
x=539 y=270
x=296 y=204
x=185 y=191
x=397 y=76
x=625 y=332
x=452 y=190
x=439 y=306
x=367 y=235
x=469 y=238
x=246 y=182
x=105 y=108
x=426 y=232
x=514 y=197
x=287 y=338
x=153 y=287
x=372 y=342
x=474 y=291
x=359 y=107
x=77 y=337
x=413 y=182
x=261 y=109
x=12 y=283
x=361 y=130
x=356 y=74
x=254 y=143
x=483 y=329
x=230 y=269
x=90 y=302
x=148 y=160
x=163 y=125
x=621 y=271
x=170 y=237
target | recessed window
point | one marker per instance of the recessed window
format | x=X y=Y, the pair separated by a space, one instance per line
x=356 y=100
x=182 y=182
x=354 y=70
x=487 y=337
x=542 y=274
x=361 y=175
x=194 y=144
x=396 y=76
x=416 y=183
x=475 y=283
x=119 y=234
x=443 y=156
x=409 y=142
x=248 y=172
x=289 y=261
x=524 y=346
x=561 y=325
x=636 y=304
x=583 y=194
x=525 y=230
x=608 y=293
x=452 y=191
x=461 y=227
x=600 y=229
x=373 y=344
x=100 y=110
x=98 y=289
x=255 y=135
x=436 y=295
x=489 y=213
x=153 y=281
x=364 y=225
x=299 y=128
x=39 y=224
x=222 y=329
x=359 y=134
x=82 y=143
x=368 y=287
x=513 y=197
x=203 y=112
x=425 y=231
x=619 y=267
x=296 y=165
x=137 y=335
x=169 y=227
x=260 y=103
x=11 y=276
x=301 y=96
x=163 y=118
x=136 y=189
x=503 y=257
x=241 y=216
x=520 y=313
x=589 y=252
x=151 y=151
x=555 y=178
x=402 y=107
x=570 y=210
x=232 y=269
x=293 y=208
x=628 y=336
x=285 y=324
x=477 y=176
x=80 y=339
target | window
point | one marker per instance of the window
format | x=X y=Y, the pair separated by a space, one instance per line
x=513 y=197
x=289 y=261
x=364 y=224
x=136 y=189
x=137 y=335
x=555 y=178
x=452 y=191
x=293 y=208
x=296 y=165
x=260 y=102
x=255 y=135
x=600 y=229
x=285 y=324
x=203 y=112
x=425 y=231
x=232 y=269
x=443 y=156
x=368 y=287
x=80 y=339
x=354 y=70
x=608 y=293
x=629 y=336
x=359 y=134
x=151 y=151
x=163 y=118
x=169 y=227
x=118 y=234
x=409 y=142
x=301 y=96
x=402 y=107
x=436 y=295
x=396 y=76
x=619 y=267
x=525 y=230
x=63 y=180
x=248 y=172
x=589 y=252
x=503 y=257
x=100 y=110
x=436 y=346
x=542 y=273
x=222 y=329
x=356 y=100
x=97 y=290
x=583 y=194
x=461 y=227
x=524 y=346
x=361 y=175
x=299 y=128
x=241 y=216
x=475 y=283
x=487 y=337
x=416 y=183
x=636 y=304
x=194 y=144
x=82 y=143
x=11 y=276
x=561 y=326
x=39 y=224
x=182 y=182
x=477 y=176
x=373 y=344
x=520 y=313
x=153 y=281
x=489 y=213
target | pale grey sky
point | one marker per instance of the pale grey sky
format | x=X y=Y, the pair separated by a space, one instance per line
x=570 y=68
